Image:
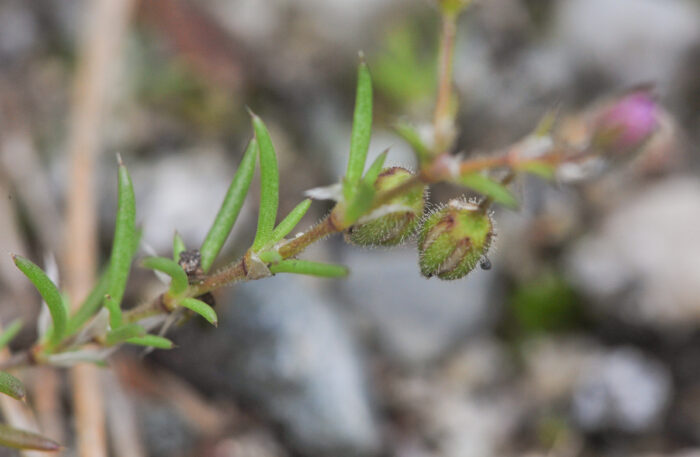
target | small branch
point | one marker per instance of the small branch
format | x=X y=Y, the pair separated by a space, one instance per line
x=442 y=121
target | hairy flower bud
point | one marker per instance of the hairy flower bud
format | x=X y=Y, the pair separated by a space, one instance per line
x=625 y=124
x=394 y=222
x=454 y=239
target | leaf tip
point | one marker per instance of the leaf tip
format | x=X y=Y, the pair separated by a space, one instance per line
x=120 y=162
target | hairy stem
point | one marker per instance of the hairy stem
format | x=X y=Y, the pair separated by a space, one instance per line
x=442 y=121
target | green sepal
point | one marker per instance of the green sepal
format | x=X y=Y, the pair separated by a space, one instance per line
x=375 y=169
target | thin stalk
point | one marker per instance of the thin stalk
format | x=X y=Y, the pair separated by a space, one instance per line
x=442 y=120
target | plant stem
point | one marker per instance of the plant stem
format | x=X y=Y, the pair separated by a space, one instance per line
x=443 y=121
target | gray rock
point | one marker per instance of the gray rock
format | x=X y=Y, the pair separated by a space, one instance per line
x=635 y=41
x=166 y=432
x=624 y=390
x=283 y=349
x=642 y=264
x=414 y=318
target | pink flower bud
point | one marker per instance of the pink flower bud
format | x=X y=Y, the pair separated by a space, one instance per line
x=627 y=123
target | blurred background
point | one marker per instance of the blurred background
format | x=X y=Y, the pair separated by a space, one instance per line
x=581 y=341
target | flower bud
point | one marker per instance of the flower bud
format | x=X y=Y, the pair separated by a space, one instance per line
x=625 y=125
x=454 y=239
x=395 y=221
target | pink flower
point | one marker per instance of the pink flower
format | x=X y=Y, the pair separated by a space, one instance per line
x=627 y=123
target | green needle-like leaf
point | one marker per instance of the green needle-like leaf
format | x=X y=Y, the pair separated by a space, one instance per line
x=361 y=131
x=228 y=213
x=201 y=308
x=375 y=169
x=48 y=292
x=21 y=439
x=291 y=221
x=307 y=267
x=124 y=333
x=10 y=332
x=122 y=246
x=269 y=185
x=96 y=297
x=490 y=188
x=171 y=268
x=540 y=169
x=9 y=385
x=270 y=256
x=154 y=341
x=408 y=133
x=360 y=204
x=178 y=246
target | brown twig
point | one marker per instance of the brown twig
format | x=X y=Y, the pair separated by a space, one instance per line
x=106 y=24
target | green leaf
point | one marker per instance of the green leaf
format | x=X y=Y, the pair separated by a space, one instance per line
x=153 y=341
x=9 y=385
x=96 y=297
x=360 y=204
x=375 y=169
x=269 y=185
x=21 y=439
x=10 y=332
x=540 y=169
x=270 y=256
x=490 y=188
x=124 y=333
x=411 y=136
x=122 y=246
x=179 y=281
x=201 y=308
x=361 y=131
x=179 y=246
x=230 y=208
x=291 y=221
x=307 y=267
x=48 y=292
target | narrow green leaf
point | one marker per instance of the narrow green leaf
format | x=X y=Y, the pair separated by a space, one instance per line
x=9 y=385
x=179 y=246
x=307 y=267
x=10 y=332
x=124 y=333
x=153 y=341
x=48 y=292
x=270 y=256
x=360 y=204
x=21 y=439
x=490 y=188
x=201 y=308
x=230 y=208
x=269 y=185
x=291 y=221
x=375 y=169
x=178 y=282
x=96 y=297
x=361 y=130
x=122 y=246
x=540 y=169
x=411 y=136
